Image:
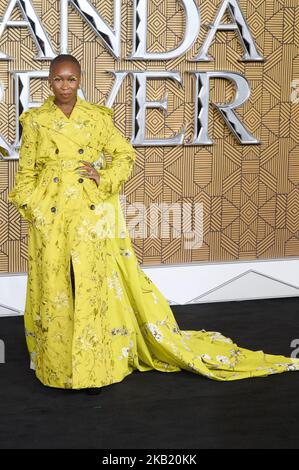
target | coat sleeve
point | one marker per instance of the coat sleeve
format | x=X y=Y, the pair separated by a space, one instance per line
x=123 y=157
x=26 y=176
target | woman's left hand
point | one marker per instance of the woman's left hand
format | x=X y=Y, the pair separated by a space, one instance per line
x=89 y=171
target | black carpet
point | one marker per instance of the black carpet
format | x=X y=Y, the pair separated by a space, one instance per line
x=179 y=410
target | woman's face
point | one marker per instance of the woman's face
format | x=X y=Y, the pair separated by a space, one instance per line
x=64 y=80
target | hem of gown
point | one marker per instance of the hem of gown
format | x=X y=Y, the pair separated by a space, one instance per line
x=117 y=380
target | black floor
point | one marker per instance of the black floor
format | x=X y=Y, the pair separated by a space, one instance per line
x=160 y=410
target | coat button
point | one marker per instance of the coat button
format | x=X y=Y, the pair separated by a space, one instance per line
x=80 y=150
x=92 y=206
x=57 y=151
x=80 y=180
x=53 y=209
x=56 y=179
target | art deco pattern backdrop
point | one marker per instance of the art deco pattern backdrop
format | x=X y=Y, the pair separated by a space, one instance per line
x=249 y=193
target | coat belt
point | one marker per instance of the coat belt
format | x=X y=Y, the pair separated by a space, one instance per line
x=63 y=165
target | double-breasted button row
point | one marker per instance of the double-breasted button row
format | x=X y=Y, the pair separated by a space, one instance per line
x=80 y=151
x=92 y=207
x=56 y=180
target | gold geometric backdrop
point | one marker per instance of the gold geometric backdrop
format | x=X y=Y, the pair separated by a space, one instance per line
x=249 y=193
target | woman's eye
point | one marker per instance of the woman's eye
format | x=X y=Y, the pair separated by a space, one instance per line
x=71 y=79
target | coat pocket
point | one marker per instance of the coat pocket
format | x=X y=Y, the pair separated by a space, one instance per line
x=91 y=190
x=36 y=201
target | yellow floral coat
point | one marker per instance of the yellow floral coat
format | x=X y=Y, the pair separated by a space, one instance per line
x=116 y=320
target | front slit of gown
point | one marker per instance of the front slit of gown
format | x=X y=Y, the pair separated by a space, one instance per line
x=72 y=280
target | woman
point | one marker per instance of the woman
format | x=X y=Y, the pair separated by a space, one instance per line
x=92 y=315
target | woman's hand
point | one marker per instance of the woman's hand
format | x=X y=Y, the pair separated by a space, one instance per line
x=89 y=171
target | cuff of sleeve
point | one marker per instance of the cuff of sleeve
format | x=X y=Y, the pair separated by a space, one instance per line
x=105 y=184
x=24 y=211
x=21 y=208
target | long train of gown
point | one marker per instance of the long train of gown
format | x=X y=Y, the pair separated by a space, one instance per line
x=168 y=348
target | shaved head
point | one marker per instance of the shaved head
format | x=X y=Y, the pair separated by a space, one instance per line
x=65 y=58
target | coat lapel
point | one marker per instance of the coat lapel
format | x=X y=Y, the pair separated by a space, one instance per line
x=83 y=127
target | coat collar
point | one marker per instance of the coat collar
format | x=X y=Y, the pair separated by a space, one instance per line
x=84 y=119
x=51 y=106
x=81 y=105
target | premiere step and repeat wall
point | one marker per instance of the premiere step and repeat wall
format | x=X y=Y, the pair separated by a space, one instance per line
x=206 y=91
